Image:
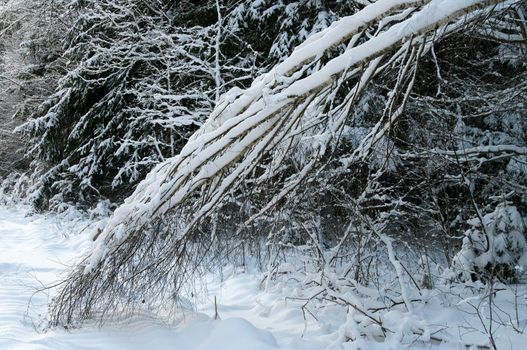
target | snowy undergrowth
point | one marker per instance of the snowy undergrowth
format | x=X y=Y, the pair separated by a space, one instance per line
x=339 y=312
x=292 y=309
x=450 y=316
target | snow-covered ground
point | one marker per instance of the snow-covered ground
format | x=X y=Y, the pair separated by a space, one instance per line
x=36 y=249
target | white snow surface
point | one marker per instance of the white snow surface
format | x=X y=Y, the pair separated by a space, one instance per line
x=35 y=250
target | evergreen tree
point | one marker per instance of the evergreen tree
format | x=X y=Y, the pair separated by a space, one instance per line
x=31 y=33
x=494 y=247
x=144 y=77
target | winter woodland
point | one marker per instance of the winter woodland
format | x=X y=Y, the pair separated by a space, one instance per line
x=361 y=164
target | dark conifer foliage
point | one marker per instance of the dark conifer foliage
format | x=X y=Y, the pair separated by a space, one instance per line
x=141 y=82
x=143 y=77
x=31 y=35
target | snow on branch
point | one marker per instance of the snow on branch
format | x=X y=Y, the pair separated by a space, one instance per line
x=512 y=149
x=247 y=123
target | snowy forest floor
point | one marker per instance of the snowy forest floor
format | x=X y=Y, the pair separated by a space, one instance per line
x=35 y=251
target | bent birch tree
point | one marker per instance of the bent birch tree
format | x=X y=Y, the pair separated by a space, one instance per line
x=147 y=250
